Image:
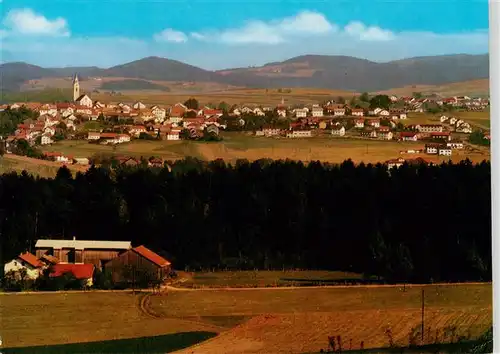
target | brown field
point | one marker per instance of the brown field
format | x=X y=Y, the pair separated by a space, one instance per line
x=465 y=88
x=61 y=318
x=231 y=96
x=300 y=320
x=94 y=84
x=273 y=320
x=42 y=168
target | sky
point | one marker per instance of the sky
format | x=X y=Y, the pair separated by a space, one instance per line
x=217 y=34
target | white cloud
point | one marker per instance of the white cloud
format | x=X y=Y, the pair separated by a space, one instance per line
x=170 y=35
x=364 y=33
x=305 y=23
x=27 y=22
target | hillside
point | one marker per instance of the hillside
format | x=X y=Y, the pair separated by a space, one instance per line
x=131 y=84
x=315 y=71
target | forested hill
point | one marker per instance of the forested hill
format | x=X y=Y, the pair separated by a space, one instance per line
x=417 y=223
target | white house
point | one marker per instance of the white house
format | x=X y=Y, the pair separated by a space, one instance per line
x=339 y=112
x=139 y=105
x=159 y=113
x=431 y=149
x=301 y=112
x=258 y=112
x=444 y=151
x=81 y=160
x=338 y=131
x=443 y=119
x=317 y=112
x=455 y=145
x=299 y=134
x=26 y=261
x=46 y=140
x=173 y=135
x=281 y=112
x=84 y=100
x=271 y=131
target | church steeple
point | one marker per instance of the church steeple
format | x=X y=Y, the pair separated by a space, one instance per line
x=76 y=88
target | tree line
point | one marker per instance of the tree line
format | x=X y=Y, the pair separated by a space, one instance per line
x=415 y=223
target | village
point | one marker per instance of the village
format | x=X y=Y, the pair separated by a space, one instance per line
x=122 y=122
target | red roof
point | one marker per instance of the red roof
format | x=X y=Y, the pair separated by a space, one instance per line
x=30 y=259
x=79 y=271
x=151 y=256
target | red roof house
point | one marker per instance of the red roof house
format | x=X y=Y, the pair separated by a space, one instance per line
x=79 y=271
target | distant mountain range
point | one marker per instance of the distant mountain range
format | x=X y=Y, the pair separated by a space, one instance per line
x=318 y=71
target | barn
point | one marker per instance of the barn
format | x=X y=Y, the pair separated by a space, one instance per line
x=82 y=251
x=140 y=258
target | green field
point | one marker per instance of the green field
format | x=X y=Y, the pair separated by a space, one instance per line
x=248 y=320
x=264 y=278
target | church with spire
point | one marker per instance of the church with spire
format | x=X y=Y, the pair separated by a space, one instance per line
x=79 y=98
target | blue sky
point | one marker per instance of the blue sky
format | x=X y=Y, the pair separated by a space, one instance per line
x=230 y=33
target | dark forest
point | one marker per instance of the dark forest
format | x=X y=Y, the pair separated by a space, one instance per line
x=412 y=224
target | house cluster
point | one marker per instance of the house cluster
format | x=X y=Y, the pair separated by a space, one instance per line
x=458 y=102
x=455 y=124
x=396 y=163
x=81 y=258
x=43 y=129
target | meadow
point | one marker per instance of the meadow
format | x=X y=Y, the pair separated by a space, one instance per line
x=240 y=96
x=245 y=146
x=274 y=320
x=264 y=278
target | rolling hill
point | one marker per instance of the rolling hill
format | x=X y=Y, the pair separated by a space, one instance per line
x=317 y=71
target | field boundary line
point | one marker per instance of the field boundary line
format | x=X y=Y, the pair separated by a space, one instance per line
x=408 y=286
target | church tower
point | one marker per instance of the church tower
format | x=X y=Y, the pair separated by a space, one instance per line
x=76 y=88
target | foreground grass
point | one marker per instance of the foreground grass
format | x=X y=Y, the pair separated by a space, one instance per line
x=144 y=345
x=30 y=320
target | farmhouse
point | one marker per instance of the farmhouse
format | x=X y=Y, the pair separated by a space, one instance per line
x=26 y=261
x=82 y=251
x=140 y=258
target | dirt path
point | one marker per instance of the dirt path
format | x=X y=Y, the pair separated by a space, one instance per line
x=408 y=286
